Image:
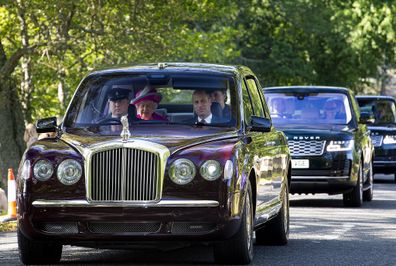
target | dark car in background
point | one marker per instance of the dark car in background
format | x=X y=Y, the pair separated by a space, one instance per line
x=383 y=131
x=129 y=183
x=329 y=142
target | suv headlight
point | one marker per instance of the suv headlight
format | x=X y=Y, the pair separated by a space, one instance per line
x=210 y=170
x=43 y=170
x=340 y=145
x=182 y=171
x=389 y=139
x=69 y=172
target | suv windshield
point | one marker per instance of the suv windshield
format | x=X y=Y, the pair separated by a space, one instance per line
x=384 y=111
x=152 y=99
x=309 y=108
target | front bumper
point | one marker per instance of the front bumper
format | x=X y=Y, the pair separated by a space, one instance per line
x=385 y=159
x=83 y=223
x=329 y=173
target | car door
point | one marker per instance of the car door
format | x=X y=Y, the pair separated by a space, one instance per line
x=266 y=152
x=362 y=137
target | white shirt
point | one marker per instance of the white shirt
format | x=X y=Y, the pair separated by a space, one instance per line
x=208 y=119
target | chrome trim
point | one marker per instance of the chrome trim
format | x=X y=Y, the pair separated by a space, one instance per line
x=319 y=177
x=87 y=151
x=125 y=134
x=161 y=203
x=385 y=162
x=323 y=142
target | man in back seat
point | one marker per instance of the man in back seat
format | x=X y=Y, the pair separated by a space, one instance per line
x=202 y=102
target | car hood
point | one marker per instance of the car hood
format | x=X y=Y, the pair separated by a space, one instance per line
x=174 y=137
x=335 y=133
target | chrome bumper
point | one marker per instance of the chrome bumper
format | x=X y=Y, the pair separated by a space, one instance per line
x=161 y=203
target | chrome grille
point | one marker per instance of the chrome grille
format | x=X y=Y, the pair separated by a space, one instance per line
x=124 y=174
x=305 y=147
x=377 y=140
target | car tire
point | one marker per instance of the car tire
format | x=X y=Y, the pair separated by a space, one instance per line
x=239 y=248
x=368 y=193
x=32 y=252
x=276 y=231
x=355 y=197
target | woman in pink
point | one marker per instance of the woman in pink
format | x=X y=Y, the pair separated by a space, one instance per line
x=146 y=101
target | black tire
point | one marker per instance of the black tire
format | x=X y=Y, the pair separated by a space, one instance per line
x=32 y=252
x=368 y=193
x=276 y=231
x=355 y=197
x=239 y=248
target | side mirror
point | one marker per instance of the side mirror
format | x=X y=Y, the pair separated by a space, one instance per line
x=261 y=124
x=46 y=125
x=366 y=118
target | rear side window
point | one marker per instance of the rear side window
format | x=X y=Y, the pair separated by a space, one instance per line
x=256 y=99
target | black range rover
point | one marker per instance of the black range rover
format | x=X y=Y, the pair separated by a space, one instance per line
x=383 y=131
x=329 y=142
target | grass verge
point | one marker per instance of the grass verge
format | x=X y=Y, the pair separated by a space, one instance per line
x=8 y=226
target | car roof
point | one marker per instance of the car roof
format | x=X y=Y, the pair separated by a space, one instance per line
x=306 y=88
x=172 y=67
x=375 y=97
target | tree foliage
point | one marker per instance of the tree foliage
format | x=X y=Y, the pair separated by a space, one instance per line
x=46 y=47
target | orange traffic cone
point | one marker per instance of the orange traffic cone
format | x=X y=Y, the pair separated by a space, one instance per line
x=11 y=198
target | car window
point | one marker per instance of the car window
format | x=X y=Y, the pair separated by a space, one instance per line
x=309 y=108
x=247 y=104
x=256 y=99
x=170 y=97
x=383 y=110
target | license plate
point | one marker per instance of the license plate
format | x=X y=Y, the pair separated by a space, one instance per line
x=300 y=164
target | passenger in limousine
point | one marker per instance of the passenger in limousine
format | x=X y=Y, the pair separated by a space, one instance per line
x=146 y=101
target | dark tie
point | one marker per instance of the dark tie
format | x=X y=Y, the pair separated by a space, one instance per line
x=202 y=121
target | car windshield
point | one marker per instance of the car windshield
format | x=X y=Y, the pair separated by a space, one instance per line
x=384 y=111
x=203 y=100
x=309 y=108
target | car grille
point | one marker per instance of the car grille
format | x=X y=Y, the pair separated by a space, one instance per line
x=305 y=147
x=377 y=140
x=146 y=227
x=124 y=174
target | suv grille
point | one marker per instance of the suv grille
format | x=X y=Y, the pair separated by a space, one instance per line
x=124 y=174
x=377 y=140
x=305 y=147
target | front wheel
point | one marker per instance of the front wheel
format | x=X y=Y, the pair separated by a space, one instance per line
x=32 y=252
x=276 y=231
x=239 y=248
x=355 y=197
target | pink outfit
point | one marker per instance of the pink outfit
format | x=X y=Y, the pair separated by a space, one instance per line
x=155 y=116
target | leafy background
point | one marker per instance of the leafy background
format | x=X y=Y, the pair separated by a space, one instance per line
x=47 y=47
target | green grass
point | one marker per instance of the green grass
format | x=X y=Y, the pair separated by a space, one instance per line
x=8 y=226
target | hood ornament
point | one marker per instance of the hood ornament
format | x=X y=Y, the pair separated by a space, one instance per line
x=125 y=134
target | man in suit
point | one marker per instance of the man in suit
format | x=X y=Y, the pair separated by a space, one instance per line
x=202 y=102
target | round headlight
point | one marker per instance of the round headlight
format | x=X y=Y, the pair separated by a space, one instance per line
x=182 y=171
x=69 y=172
x=43 y=170
x=210 y=170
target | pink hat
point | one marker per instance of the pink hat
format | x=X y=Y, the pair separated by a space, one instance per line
x=147 y=94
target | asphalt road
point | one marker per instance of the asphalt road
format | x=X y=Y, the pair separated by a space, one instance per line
x=323 y=232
